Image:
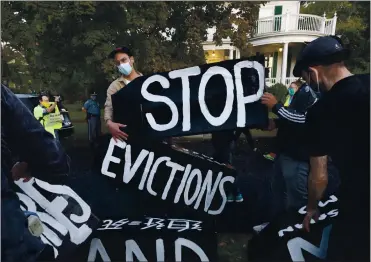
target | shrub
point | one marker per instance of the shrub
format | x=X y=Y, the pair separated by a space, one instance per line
x=279 y=91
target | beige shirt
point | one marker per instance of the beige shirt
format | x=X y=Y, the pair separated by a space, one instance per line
x=112 y=89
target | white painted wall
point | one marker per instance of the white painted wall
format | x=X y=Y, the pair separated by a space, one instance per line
x=292 y=7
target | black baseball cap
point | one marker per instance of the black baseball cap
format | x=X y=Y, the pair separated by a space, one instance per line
x=324 y=50
x=122 y=49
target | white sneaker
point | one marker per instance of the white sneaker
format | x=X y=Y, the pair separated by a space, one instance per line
x=259 y=228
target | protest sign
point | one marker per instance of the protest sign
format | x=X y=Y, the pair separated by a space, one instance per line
x=150 y=239
x=66 y=218
x=174 y=176
x=194 y=100
x=285 y=240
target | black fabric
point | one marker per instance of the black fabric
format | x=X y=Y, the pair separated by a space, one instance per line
x=130 y=107
x=285 y=240
x=291 y=137
x=341 y=122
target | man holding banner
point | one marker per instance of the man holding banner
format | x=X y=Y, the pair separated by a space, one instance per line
x=124 y=61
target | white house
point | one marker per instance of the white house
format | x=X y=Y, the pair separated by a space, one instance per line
x=280 y=34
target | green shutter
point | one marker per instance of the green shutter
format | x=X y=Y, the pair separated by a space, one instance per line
x=275 y=59
x=277 y=20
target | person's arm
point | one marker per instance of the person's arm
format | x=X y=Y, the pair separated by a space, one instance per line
x=30 y=141
x=51 y=108
x=317 y=181
x=86 y=106
x=108 y=109
x=318 y=175
x=289 y=114
x=304 y=99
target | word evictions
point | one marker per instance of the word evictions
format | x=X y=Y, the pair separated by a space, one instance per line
x=188 y=175
x=184 y=74
x=158 y=223
x=302 y=211
x=133 y=250
x=54 y=216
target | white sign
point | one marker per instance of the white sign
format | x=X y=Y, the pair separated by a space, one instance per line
x=185 y=74
x=205 y=188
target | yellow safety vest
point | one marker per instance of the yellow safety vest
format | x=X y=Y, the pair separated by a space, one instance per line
x=51 y=121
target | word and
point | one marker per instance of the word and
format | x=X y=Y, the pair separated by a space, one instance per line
x=296 y=246
x=132 y=250
x=302 y=211
x=158 y=223
x=184 y=75
x=203 y=188
x=53 y=217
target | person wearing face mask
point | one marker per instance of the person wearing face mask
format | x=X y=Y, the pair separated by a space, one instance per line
x=291 y=92
x=48 y=114
x=124 y=61
x=289 y=182
x=92 y=109
x=339 y=127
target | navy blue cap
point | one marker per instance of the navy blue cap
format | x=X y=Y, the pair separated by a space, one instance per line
x=324 y=50
x=122 y=49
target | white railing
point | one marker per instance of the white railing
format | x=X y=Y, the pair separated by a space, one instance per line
x=295 y=23
x=272 y=81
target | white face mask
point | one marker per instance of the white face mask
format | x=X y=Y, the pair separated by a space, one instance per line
x=125 y=68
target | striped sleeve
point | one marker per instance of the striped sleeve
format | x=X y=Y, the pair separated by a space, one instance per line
x=289 y=114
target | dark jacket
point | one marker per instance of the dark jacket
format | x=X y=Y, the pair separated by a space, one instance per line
x=291 y=138
x=24 y=138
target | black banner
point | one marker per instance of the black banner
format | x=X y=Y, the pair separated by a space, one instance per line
x=151 y=239
x=168 y=177
x=194 y=100
x=285 y=240
x=66 y=218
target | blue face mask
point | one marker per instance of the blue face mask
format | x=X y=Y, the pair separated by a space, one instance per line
x=125 y=68
x=291 y=91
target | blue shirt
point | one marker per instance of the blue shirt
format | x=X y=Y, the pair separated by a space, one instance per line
x=92 y=107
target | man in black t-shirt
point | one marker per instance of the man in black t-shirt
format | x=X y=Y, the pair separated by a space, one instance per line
x=339 y=127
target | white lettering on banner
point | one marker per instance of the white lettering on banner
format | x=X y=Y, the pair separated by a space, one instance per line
x=132 y=250
x=302 y=211
x=185 y=74
x=207 y=187
x=158 y=98
x=97 y=246
x=241 y=99
x=296 y=245
x=56 y=207
x=178 y=224
x=212 y=71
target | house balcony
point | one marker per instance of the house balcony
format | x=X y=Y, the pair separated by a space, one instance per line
x=292 y=28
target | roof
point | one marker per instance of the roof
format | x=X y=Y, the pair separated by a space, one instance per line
x=25 y=95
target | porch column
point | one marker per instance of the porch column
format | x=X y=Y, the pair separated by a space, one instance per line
x=231 y=54
x=238 y=55
x=284 y=63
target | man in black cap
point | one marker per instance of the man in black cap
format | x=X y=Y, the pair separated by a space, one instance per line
x=92 y=109
x=339 y=127
x=124 y=61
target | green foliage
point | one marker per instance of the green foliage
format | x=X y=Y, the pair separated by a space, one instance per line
x=353 y=25
x=279 y=91
x=65 y=44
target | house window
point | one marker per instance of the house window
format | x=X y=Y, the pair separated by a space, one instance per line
x=277 y=20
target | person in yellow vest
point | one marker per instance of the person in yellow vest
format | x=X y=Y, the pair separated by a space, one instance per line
x=48 y=114
x=294 y=86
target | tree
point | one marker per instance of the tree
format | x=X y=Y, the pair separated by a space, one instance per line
x=65 y=44
x=353 y=25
